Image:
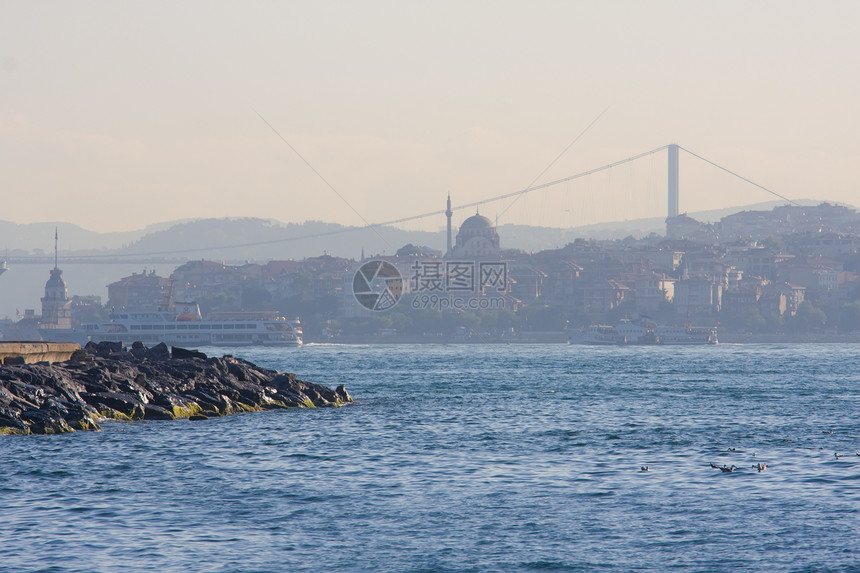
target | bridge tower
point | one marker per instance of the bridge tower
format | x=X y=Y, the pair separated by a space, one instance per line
x=448 y=214
x=673 y=180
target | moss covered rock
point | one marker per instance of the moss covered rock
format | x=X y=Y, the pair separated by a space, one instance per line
x=108 y=381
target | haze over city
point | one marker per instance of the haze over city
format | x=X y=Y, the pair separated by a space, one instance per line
x=115 y=116
x=379 y=285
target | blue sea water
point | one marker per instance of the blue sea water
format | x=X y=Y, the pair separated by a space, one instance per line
x=468 y=458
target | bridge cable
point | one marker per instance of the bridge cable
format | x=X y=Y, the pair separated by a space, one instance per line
x=384 y=223
x=740 y=176
x=431 y=213
x=324 y=180
x=551 y=163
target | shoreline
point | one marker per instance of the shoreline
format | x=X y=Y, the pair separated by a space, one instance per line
x=109 y=382
x=565 y=338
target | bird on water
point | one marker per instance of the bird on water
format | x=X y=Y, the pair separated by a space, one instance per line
x=724 y=467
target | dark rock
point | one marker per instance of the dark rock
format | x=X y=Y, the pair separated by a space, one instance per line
x=236 y=370
x=169 y=401
x=139 y=353
x=45 y=422
x=137 y=344
x=315 y=397
x=342 y=394
x=107 y=382
x=13 y=360
x=158 y=352
x=184 y=353
x=106 y=348
x=79 y=355
x=208 y=401
x=252 y=395
x=154 y=412
x=283 y=381
x=14 y=424
x=123 y=403
x=198 y=417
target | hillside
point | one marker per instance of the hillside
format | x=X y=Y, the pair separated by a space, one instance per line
x=252 y=239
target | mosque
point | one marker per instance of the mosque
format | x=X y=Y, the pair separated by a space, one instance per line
x=476 y=239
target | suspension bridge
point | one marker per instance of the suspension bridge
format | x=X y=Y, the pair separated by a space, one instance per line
x=673 y=191
x=673 y=186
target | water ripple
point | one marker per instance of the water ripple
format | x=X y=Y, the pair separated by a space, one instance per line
x=469 y=458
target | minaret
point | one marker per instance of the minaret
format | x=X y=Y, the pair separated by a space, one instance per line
x=448 y=214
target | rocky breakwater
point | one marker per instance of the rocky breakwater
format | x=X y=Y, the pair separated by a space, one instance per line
x=106 y=381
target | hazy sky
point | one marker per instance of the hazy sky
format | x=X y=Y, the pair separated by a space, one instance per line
x=114 y=115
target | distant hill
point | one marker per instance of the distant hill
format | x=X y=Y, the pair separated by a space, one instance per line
x=32 y=238
x=262 y=240
x=644 y=227
x=252 y=239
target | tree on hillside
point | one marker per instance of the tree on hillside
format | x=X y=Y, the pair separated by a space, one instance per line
x=256 y=298
x=808 y=318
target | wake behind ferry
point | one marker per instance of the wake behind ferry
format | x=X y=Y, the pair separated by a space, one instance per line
x=183 y=325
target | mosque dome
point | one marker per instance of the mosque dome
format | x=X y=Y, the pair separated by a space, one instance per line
x=476 y=222
x=477 y=238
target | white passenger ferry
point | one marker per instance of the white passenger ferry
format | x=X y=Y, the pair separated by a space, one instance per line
x=184 y=325
x=630 y=332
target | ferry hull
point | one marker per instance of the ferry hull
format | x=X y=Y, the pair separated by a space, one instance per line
x=187 y=329
x=632 y=334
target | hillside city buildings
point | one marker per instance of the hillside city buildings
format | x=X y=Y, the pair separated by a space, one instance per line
x=755 y=271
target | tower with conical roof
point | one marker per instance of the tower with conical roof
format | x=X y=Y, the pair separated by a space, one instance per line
x=56 y=305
